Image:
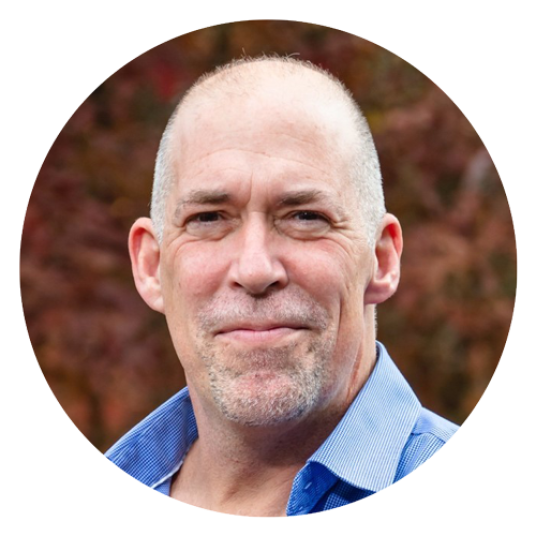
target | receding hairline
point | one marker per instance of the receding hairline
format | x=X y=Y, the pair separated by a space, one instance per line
x=247 y=70
x=251 y=77
x=266 y=81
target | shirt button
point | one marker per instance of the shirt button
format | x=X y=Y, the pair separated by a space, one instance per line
x=308 y=485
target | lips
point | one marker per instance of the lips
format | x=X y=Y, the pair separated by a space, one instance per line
x=260 y=326
x=259 y=332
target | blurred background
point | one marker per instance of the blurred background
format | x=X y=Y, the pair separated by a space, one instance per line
x=108 y=358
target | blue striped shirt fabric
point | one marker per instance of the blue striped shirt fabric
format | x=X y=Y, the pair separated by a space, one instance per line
x=384 y=435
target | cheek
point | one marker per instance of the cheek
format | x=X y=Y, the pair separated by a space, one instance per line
x=192 y=275
x=327 y=271
x=336 y=278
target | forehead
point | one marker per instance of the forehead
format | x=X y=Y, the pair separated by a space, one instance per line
x=269 y=151
x=291 y=129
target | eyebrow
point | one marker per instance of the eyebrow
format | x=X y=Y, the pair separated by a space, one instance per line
x=302 y=197
x=203 y=197
x=288 y=199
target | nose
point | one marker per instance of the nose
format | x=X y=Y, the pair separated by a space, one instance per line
x=257 y=266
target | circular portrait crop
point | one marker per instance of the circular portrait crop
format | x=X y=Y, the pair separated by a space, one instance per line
x=268 y=268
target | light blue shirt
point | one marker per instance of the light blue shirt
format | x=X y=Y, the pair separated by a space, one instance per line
x=384 y=435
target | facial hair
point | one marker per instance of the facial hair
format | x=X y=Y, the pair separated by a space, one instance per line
x=266 y=386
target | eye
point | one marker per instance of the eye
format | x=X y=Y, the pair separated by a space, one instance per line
x=305 y=224
x=212 y=224
x=309 y=219
x=309 y=215
x=203 y=222
x=204 y=217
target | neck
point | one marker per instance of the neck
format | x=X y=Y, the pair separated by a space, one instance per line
x=247 y=471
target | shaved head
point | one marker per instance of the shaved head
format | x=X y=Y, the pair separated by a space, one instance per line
x=278 y=83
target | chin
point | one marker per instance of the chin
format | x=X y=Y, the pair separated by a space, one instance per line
x=260 y=399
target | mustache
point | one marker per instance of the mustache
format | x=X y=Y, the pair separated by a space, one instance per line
x=293 y=308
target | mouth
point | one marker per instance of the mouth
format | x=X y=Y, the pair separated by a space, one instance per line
x=266 y=333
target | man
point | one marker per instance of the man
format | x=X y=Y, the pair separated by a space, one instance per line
x=267 y=250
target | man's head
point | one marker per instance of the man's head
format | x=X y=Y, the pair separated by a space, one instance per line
x=269 y=245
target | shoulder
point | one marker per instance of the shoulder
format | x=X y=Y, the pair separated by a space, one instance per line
x=429 y=434
x=155 y=447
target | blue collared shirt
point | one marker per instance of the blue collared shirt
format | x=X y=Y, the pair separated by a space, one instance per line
x=384 y=435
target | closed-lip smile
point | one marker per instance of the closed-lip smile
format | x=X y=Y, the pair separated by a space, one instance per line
x=259 y=332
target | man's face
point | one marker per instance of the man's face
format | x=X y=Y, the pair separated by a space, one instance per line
x=264 y=265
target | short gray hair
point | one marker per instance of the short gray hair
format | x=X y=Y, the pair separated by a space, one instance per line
x=365 y=166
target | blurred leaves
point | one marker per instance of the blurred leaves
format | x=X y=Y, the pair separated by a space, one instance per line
x=109 y=359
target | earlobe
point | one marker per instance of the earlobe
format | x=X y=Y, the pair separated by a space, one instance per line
x=386 y=272
x=144 y=252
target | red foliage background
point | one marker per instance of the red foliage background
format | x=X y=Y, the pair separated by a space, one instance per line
x=108 y=357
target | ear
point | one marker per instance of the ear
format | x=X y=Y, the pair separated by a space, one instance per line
x=387 y=253
x=145 y=258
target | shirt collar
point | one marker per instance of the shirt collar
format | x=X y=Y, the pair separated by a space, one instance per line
x=365 y=447
x=155 y=448
x=363 y=450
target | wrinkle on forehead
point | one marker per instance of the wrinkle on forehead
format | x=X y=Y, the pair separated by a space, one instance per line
x=292 y=137
x=257 y=152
